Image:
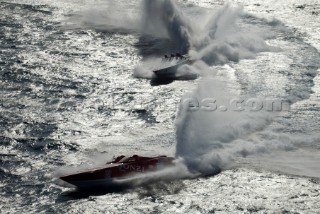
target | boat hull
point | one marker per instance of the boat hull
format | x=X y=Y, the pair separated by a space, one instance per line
x=171 y=71
x=113 y=173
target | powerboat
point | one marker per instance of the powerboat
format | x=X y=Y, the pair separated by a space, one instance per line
x=120 y=168
x=170 y=65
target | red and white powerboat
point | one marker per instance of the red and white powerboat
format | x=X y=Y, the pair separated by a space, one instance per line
x=121 y=168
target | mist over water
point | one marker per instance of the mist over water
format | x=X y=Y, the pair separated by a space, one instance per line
x=220 y=40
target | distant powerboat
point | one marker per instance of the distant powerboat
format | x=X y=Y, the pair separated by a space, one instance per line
x=121 y=167
x=170 y=65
